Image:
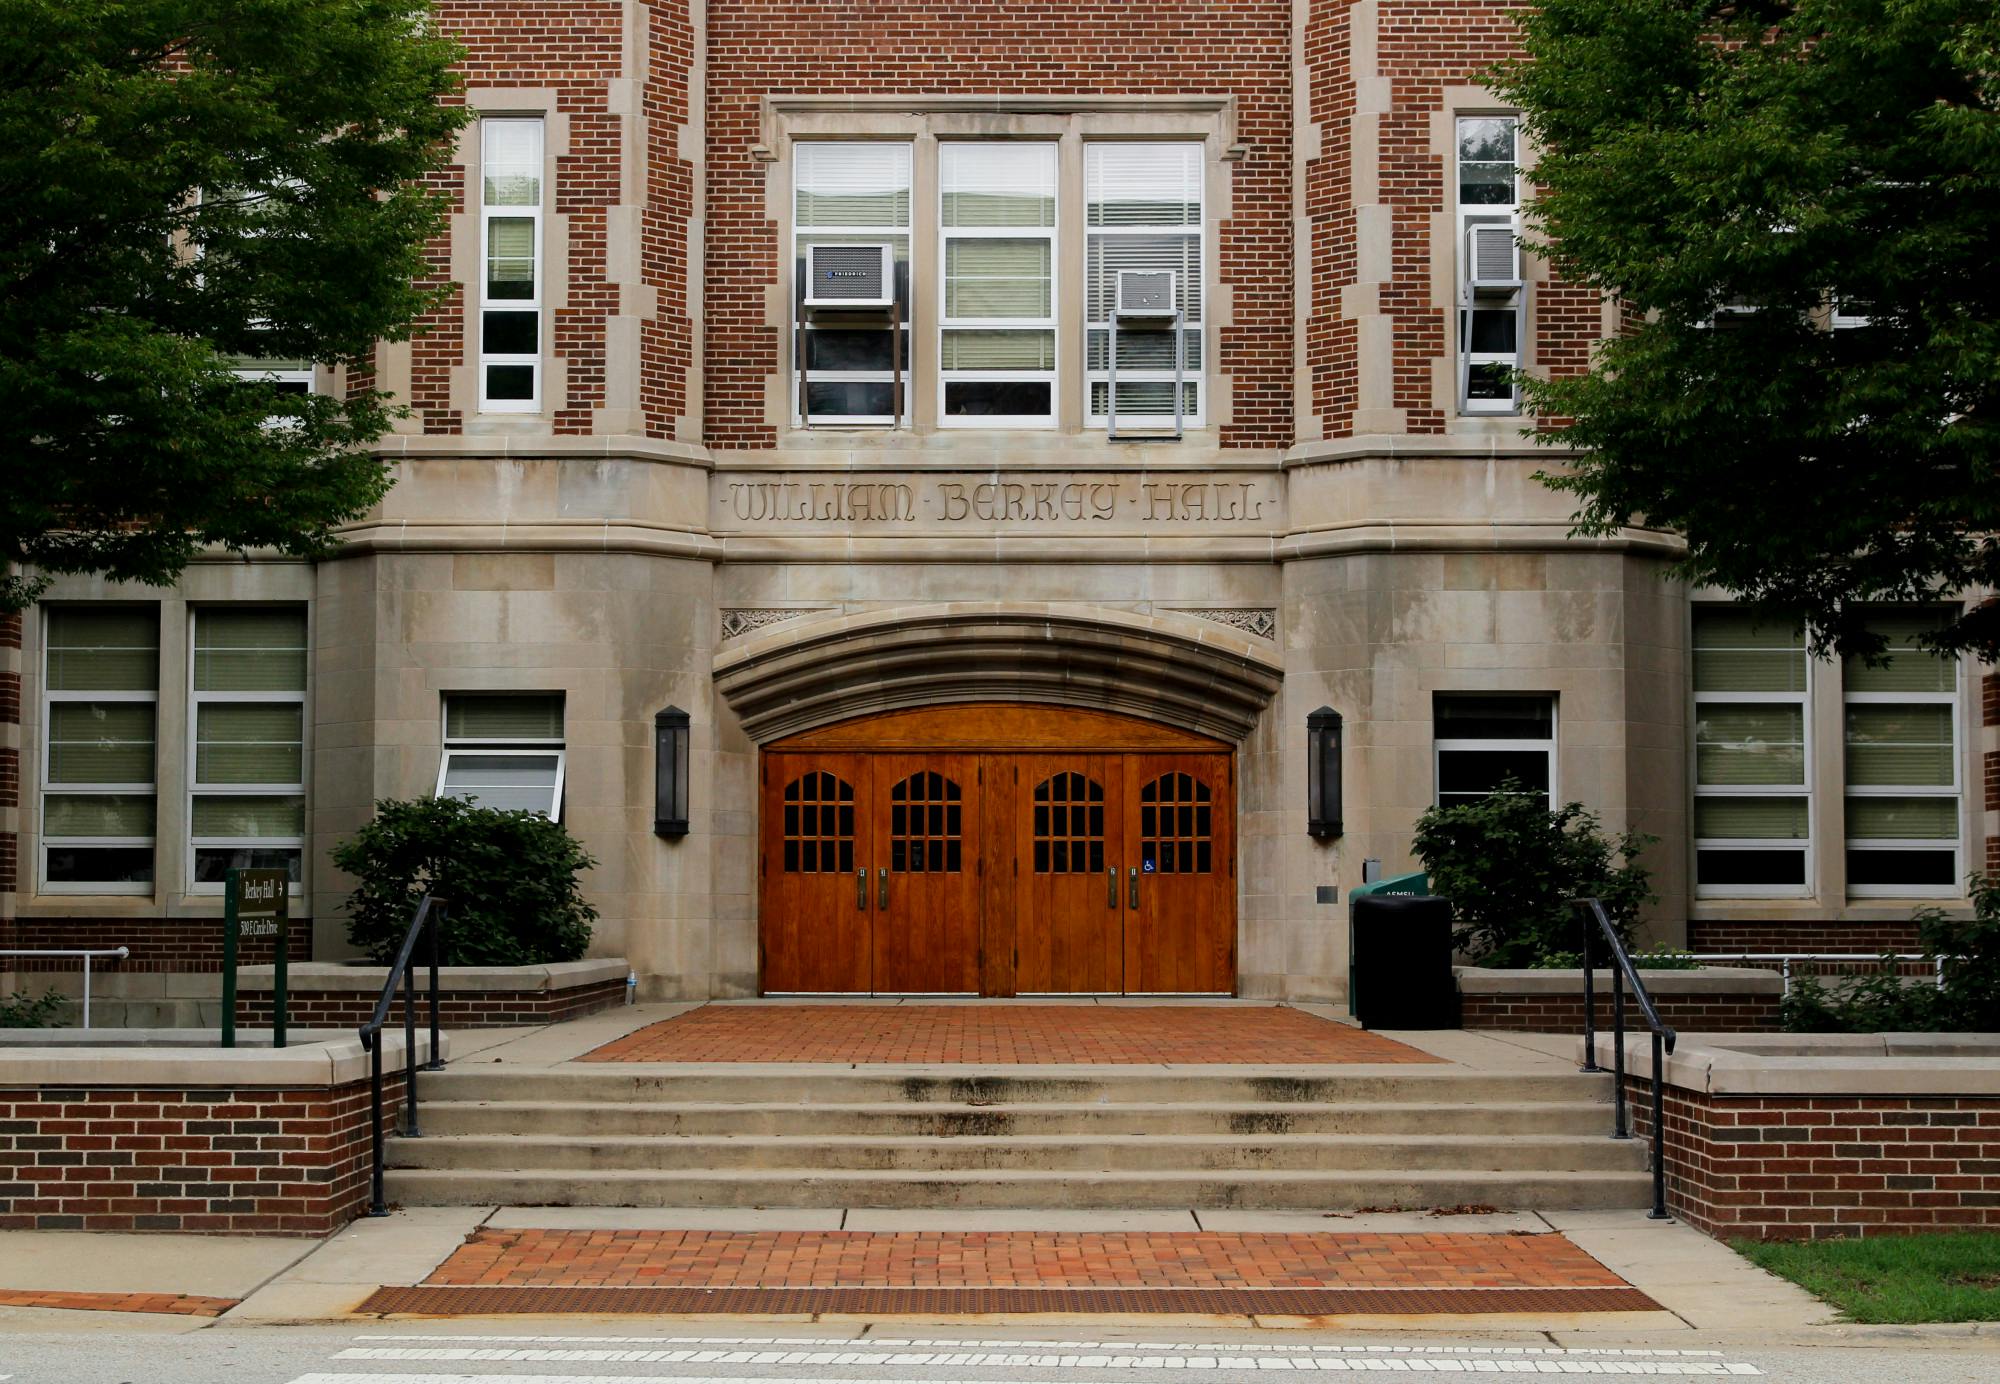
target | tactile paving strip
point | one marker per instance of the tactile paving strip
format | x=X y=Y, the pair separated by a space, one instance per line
x=426 y=1300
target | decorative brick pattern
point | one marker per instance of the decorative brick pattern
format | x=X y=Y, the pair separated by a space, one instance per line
x=488 y=1009
x=157 y=944
x=238 y=1161
x=1012 y=1033
x=1008 y=1259
x=1787 y=1168
x=1717 y=1013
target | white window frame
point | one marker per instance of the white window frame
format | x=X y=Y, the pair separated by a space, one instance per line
x=905 y=323
x=1954 y=701
x=1193 y=326
x=1809 y=848
x=481 y=747
x=95 y=790
x=1469 y=215
x=1441 y=746
x=1050 y=234
x=195 y=701
x=532 y=213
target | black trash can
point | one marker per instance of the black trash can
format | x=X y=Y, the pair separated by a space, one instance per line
x=1400 y=970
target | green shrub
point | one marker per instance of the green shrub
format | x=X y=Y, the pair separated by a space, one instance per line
x=510 y=879
x=24 y=1010
x=1885 y=1002
x=1511 y=868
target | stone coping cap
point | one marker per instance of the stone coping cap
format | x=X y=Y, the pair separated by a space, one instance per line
x=1816 y=1064
x=1709 y=980
x=361 y=977
x=123 y=1059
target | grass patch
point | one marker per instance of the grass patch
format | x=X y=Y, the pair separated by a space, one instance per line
x=1893 y=1278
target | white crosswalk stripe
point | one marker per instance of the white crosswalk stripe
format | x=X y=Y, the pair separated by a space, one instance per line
x=1225 y=1364
x=879 y=1343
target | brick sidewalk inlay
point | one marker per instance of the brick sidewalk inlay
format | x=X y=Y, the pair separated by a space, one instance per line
x=168 y=1304
x=921 y=1260
x=1003 y=1034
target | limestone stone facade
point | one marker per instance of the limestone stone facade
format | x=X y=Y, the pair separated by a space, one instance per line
x=657 y=526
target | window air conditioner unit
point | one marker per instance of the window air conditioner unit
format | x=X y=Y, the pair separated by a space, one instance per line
x=1145 y=293
x=850 y=276
x=1492 y=259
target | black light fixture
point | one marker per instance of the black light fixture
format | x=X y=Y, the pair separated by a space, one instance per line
x=670 y=772
x=1323 y=773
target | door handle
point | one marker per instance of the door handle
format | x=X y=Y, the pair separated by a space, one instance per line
x=883 y=876
x=1134 y=876
x=861 y=888
x=1111 y=886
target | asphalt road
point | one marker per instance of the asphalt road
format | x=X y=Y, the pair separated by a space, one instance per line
x=452 y=1353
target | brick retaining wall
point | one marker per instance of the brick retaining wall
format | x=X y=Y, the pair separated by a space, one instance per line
x=1814 y=1167
x=1725 y=1013
x=1713 y=935
x=157 y=944
x=462 y=1009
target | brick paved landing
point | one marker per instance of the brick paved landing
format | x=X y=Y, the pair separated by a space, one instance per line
x=1004 y=1034
x=167 y=1304
x=1013 y=1271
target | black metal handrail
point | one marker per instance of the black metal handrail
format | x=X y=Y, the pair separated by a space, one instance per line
x=1604 y=935
x=430 y=918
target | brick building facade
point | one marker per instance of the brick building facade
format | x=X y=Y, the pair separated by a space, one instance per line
x=617 y=492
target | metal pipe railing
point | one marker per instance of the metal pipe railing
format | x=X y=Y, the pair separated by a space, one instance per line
x=1600 y=934
x=1785 y=960
x=429 y=919
x=120 y=952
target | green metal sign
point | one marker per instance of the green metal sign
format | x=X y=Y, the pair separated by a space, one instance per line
x=256 y=904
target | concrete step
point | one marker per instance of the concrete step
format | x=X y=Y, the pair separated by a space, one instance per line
x=756 y=1084
x=955 y=1119
x=1263 y=1189
x=922 y=1154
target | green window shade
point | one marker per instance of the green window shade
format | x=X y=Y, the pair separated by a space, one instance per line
x=504 y=717
x=248 y=817
x=511 y=152
x=115 y=649
x=852 y=184
x=1910 y=668
x=253 y=650
x=249 y=742
x=1140 y=397
x=1142 y=185
x=997 y=278
x=1749 y=744
x=510 y=259
x=101 y=742
x=106 y=814
x=997 y=184
x=1889 y=745
x=998 y=350
x=1732 y=653
x=1914 y=819
x=1763 y=819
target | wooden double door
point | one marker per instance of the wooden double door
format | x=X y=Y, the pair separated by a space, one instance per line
x=998 y=850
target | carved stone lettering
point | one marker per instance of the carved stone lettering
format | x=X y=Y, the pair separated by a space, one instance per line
x=1022 y=503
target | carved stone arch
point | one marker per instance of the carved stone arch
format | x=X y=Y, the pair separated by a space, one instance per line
x=1174 y=670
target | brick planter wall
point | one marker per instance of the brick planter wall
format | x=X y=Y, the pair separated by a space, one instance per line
x=234 y=1158
x=1795 y=1167
x=464 y=1009
x=1713 y=935
x=157 y=944
x=1726 y=1000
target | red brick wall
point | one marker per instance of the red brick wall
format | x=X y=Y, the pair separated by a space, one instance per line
x=1794 y=1168
x=490 y=1009
x=241 y=1162
x=157 y=944
x=1712 y=935
x=1720 y=1013
x=1330 y=345
x=1174 y=47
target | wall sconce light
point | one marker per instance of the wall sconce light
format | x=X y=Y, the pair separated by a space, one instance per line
x=1323 y=773
x=670 y=772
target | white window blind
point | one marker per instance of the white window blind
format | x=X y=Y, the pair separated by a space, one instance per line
x=997 y=340
x=1752 y=774
x=1903 y=794
x=246 y=704
x=511 y=250
x=504 y=751
x=847 y=194
x=100 y=695
x=1143 y=210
